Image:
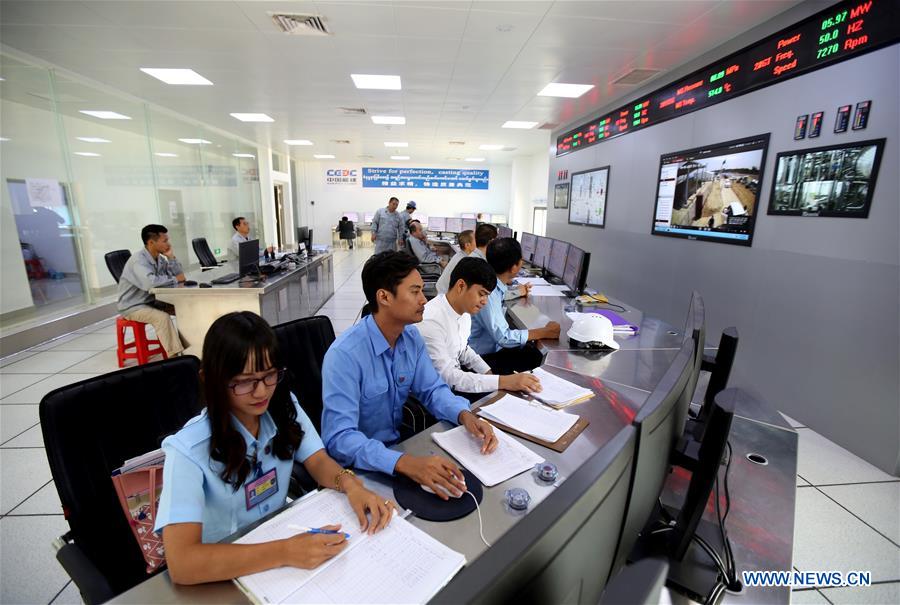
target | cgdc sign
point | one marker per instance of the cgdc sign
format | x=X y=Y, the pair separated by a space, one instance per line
x=342 y=176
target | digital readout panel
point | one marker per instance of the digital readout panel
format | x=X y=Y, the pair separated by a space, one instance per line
x=845 y=30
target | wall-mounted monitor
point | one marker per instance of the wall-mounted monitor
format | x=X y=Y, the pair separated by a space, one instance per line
x=454 y=225
x=503 y=231
x=352 y=216
x=437 y=223
x=529 y=241
x=470 y=215
x=469 y=224
x=836 y=181
x=561 y=195
x=541 y=255
x=587 y=197
x=369 y=216
x=559 y=250
x=711 y=193
x=575 y=274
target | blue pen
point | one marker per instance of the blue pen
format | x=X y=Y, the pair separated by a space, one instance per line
x=316 y=530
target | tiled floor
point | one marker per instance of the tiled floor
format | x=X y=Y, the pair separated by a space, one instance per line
x=846 y=516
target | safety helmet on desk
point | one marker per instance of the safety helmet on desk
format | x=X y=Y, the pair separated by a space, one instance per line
x=592 y=331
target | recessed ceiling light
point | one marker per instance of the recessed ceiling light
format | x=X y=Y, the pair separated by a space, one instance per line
x=388 y=120
x=87 y=154
x=474 y=159
x=395 y=144
x=177 y=77
x=164 y=154
x=569 y=91
x=104 y=115
x=323 y=156
x=243 y=155
x=399 y=157
x=490 y=147
x=2 y=139
x=196 y=141
x=518 y=124
x=251 y=117
x=375 y=82
x=93 y=140
x=298 y=142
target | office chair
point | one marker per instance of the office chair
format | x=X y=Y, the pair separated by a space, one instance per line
x=430 y=272
x=91 y=428
x=204 y=254
x=115 y=262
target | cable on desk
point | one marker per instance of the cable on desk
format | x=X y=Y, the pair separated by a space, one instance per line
x=480 y=523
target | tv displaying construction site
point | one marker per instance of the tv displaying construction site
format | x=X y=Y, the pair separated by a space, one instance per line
x=711 y=193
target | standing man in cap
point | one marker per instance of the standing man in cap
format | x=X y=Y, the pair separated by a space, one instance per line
x=387 y=231
x=405 y=217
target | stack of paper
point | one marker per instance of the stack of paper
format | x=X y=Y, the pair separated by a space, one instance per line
x=534 y=281
x=529 y=417
x=558 y=392
x=508 y=460
x=547 y=290
x=400 y=564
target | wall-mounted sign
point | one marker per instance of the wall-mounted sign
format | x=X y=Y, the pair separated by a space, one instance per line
x=342 y=176
x=425 y=178
x=561 y=195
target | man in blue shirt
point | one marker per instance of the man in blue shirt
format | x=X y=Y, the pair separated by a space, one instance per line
x=371 y=369
x=505 y=349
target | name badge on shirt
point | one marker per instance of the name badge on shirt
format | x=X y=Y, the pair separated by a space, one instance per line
x=261 y=488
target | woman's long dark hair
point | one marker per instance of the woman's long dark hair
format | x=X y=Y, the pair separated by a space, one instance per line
x=230 y=342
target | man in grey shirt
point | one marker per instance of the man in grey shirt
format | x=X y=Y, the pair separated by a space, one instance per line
x=405 y=217
x=419 y=245
x=466 y=241
x=152 y=266
x=386 y=231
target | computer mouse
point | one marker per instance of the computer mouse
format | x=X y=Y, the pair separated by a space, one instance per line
x=189 y=282
x=205 y=285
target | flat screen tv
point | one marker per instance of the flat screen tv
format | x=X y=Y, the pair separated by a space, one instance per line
x=836 y=181
x=587 y=197
x=711 y=193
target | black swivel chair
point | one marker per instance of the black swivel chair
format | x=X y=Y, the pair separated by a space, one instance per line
x=115 y=262
x=204 y=253
x=91 y=428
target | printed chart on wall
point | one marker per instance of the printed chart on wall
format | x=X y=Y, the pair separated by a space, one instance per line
x=587 y=199
x=561 y=195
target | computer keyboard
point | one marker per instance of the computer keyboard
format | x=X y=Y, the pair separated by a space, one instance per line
x=226 y=279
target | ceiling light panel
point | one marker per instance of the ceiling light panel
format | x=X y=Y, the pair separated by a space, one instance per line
x=87 y=154
x=388 y=120
x=474 y=159
x=164 y=154
x=243 y=155
x=395 y=144
x=104 y=115
x=251 y=117
x=196 y=141
x=294 y=142
x=568 y=91
x=177 y=77
x=323 y=156
x=93 y=140
x=519 y=124
x=399 y=157
x=376 y=82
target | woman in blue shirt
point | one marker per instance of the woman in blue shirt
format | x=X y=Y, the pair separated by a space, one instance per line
x=231 y=465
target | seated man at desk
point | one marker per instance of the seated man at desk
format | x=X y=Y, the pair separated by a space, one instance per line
x=405 y=217
x=504 y=349
x=446 y=327
x=371 y=369
x=485 y=233
x=241 y=234
x=418 y=241
x=152 y=266
x=466 y=241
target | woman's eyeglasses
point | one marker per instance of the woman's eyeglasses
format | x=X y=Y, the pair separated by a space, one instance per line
x=245 y=387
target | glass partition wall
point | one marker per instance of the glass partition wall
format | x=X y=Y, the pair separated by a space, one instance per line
x=77 y=184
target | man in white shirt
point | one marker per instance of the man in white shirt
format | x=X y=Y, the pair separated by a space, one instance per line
x=446 y=325
x=466 y=241
x=241 y=234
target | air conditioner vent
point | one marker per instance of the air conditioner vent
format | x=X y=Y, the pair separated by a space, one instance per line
x=457 y=143
x=352 y=111
x=301 y=25
x=340 y=141
x=636 y=76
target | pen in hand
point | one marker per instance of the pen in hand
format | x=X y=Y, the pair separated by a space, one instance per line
x=316 y=530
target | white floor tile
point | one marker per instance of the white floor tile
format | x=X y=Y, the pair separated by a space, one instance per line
x=22 y=472
x=878 y=504
x=340 y=314
x=36 y=392
x=821 y=461
x=51 y=344
x=10 y=383
x=98 y=341
x=31 y=573
x=344 y=303
x=15 y=419
x=828 y=537
x=33 y=437
x=44 y=502
x=16 y=357
x=878 y=594
x=100 y=363
x=807 y=597
x=69 y=596
x=47 y=362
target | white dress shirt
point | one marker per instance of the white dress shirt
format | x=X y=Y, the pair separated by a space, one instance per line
x=443 y=283
x=446 y=335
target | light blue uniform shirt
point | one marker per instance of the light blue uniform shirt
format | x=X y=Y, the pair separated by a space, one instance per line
x=364 y=386
x=193 y=491
x=490 y=330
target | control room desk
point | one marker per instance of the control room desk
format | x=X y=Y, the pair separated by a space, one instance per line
x=281 y=297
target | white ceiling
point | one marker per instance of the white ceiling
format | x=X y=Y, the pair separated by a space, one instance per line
x=462 y=76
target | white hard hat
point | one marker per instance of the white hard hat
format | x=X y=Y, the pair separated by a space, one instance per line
x=593 y=330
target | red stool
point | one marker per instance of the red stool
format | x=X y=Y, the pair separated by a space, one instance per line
x=143 y=349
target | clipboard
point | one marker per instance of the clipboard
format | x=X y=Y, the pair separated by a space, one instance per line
x=559 y=445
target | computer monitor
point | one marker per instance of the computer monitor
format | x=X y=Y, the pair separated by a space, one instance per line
x=469 y=224
x=437 y=223
x=248 y=257
x=470 y=215
x=575 y=275
x=302 y=234
x=529 y=240
x=504 y=231
x=498 y=219
x=369 y=216
x=542 y=252
x=454 y=225
x=559 y=250
x=352 y=216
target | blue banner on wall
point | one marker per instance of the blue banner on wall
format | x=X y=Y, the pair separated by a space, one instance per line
x=425 y=178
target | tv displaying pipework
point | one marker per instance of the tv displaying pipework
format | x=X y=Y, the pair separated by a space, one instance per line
x=835 y=181
x=587 y=197
x=437 y=223
x=454 y=225
x=711 y=193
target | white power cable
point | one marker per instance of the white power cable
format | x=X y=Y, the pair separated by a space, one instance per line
x=480 y=523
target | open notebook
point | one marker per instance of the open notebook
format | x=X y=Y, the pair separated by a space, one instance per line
x=400 y=564
x=558 y=392
x=529 y=417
